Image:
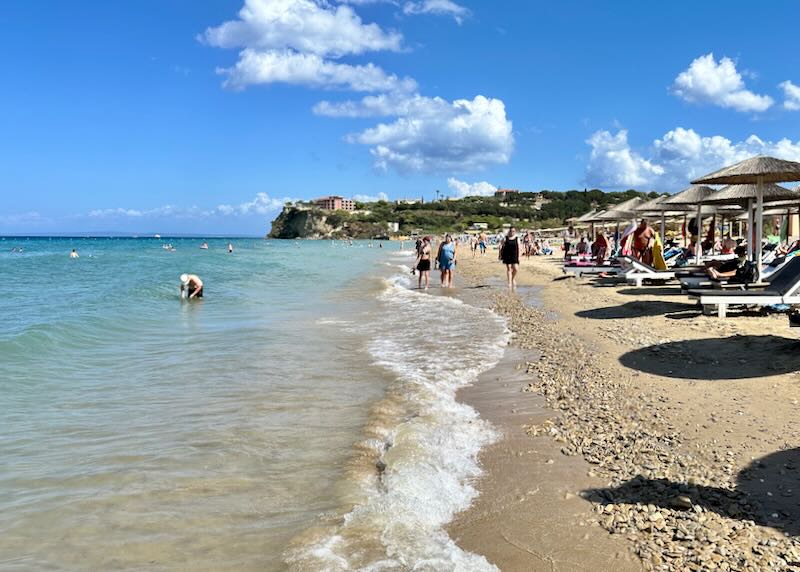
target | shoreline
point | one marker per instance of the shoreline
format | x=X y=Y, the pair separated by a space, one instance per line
x=678 y=459
x=528 y=516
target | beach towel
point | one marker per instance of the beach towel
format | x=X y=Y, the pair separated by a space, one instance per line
x=658 y=254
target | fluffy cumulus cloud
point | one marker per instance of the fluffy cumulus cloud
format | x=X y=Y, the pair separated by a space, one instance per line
x=613 y=163
x=434 y=135
x=255 y=67
x=443 y=7
x=463 y=189
x=718 y=83
x=673 y=160
x=298 y=41
x=303 y=42
x=791 y=95
x=261 y=204
x=307 y=26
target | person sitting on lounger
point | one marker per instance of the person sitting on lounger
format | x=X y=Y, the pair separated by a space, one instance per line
x=721 y=270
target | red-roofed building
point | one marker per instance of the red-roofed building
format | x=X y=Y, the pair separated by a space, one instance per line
x=335 y=203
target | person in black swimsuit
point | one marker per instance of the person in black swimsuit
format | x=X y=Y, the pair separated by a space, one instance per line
x=509 y=254
x=423 y=262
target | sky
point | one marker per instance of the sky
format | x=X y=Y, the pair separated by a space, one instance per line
x=178 y=116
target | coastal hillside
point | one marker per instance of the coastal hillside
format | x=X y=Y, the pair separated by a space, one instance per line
x=546 y=209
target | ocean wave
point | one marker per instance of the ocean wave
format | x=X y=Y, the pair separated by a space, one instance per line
x=420 y=454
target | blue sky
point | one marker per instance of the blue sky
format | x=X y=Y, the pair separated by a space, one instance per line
x=178 y=116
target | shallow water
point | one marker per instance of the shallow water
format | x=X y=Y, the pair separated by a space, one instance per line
x=301 y=416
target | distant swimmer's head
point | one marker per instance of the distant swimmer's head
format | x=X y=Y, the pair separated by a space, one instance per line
x=184 y=279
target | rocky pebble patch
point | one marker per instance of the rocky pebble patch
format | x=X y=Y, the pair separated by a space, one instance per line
x=678 y=504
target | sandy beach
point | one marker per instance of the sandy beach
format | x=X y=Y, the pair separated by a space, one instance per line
x=638 y=433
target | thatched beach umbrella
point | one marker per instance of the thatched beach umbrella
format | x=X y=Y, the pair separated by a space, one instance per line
x=758 y=170
x=744 y=195
x=657 y=207
x=693 y=195
x=624 y=211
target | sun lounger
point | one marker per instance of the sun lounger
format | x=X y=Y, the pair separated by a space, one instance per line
x=579 y=269
x=702 y=281
x=784 y=288
x=637 y=272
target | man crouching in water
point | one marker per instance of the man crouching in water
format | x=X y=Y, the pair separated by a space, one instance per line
x=192 y=286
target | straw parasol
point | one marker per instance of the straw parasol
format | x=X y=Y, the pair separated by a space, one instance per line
x=587 y=217
x=625 y=210
x=756 y=170
x=693 y=195
x=657 y=207
x=743 y=194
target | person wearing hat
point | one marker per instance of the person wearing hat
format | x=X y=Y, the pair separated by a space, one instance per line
x=192 y=285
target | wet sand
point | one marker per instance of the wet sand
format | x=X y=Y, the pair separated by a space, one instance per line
x=648 y=435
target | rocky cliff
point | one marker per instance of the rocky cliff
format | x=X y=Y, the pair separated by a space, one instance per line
x=301 y=223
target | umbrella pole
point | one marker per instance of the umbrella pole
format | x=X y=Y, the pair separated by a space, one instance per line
x=698 y=248
x=684 y=231
x=750 y=229
x=663 y=227
x=759 y=223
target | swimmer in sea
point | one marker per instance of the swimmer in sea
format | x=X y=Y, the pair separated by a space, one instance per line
x=192 y=286
x=230 y=248
x=74 y=254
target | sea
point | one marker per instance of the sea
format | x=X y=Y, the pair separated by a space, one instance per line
x=302 y=416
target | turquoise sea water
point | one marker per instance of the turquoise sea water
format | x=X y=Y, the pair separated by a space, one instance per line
x=301 y=416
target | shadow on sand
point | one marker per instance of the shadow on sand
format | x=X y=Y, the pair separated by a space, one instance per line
x=652 y=291
x=718 y=358
x=636 y=309
x=777 y=474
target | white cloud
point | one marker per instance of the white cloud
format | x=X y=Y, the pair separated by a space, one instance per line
x=261 y=204
x=614 y=164
x=434 y=135
x=382 y=105
x=443 y=7
x=371 y=198
x=676 y=158
x=257 y=67
x=295 y=41
x=463 y=189
x=706 y=81
x=306 y=26
x=791 y=94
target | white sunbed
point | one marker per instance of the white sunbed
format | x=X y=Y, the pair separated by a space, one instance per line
x=637 y=272
x=579 y=270
x=784 y=288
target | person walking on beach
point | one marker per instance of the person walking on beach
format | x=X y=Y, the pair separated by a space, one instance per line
x=192 y=286
x=423 y=261
x=446 y=259
x=482 y=243
x=509 y=254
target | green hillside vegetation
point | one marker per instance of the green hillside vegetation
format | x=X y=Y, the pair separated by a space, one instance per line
x=518 y=208
x=547 y=209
